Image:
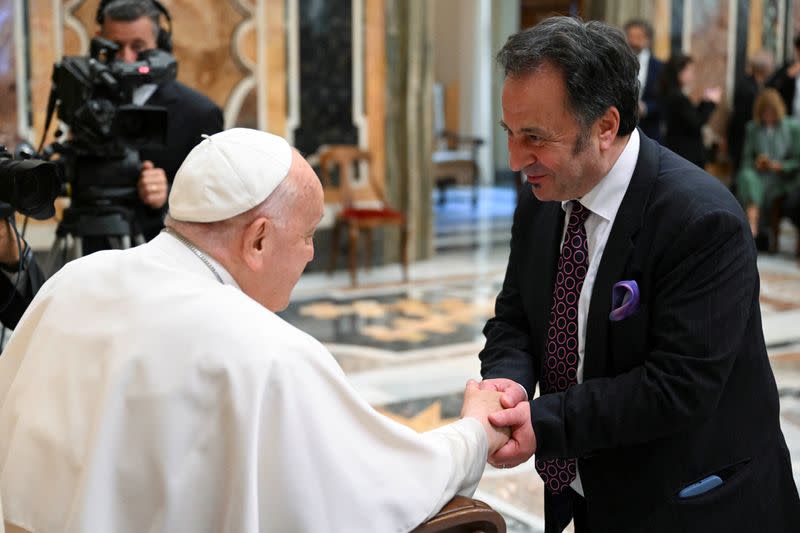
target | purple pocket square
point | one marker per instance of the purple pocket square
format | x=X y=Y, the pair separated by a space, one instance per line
x=624 y=300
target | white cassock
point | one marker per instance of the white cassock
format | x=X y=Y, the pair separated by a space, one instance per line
x=139 y=394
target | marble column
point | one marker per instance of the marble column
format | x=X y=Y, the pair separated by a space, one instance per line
x=8 y=75
x=409 y=124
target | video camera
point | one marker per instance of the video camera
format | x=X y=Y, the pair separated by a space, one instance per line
x=94 y=97
x=27 y=186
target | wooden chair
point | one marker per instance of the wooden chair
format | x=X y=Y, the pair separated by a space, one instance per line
x=455 y=161
x=464 y=515
x=363 y=205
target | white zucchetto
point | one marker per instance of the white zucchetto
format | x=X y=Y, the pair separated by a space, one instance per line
x=227 y=174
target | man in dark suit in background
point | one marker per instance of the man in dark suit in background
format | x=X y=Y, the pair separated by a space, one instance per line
x=134 y=26
x=639 y=35
x=631 y=299
x=785 y=81
x=759 y=68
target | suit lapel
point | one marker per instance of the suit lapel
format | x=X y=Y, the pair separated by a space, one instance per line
x=546 y=242
x=616 y=255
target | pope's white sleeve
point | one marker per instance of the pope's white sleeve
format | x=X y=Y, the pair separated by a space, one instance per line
x=468 y=448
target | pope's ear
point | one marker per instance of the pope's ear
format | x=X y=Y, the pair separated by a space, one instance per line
x=255 y=241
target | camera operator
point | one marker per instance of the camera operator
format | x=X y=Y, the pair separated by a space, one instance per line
x=28 y=187
x=134 y=26
x=21 y=276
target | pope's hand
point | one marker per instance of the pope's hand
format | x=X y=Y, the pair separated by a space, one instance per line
x=479 y=404
x=513 y=393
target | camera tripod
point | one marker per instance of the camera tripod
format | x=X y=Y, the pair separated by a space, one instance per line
x=87 y=229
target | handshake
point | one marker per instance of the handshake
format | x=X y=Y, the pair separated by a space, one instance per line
x=501 y=406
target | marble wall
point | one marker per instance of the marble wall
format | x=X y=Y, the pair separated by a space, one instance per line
x=285 y=66
x=215 y=43
x=8 y=75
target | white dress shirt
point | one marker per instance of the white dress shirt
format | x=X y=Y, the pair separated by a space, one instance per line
x=143 y=93
x=603 y=201
x=644 y=61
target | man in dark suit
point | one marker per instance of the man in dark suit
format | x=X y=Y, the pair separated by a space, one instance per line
x=785 y=81
x=134 y=26
x=639 y=35
x=20 y=275
x=631 y=300
x=747 y=88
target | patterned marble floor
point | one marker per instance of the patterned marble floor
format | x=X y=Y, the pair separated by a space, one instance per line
x=410 y=347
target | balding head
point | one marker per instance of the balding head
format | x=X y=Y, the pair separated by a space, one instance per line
x=267 y=247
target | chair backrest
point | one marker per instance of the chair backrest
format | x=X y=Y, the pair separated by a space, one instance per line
x=340 y=166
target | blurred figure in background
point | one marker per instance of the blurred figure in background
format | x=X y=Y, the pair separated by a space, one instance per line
x=639 y=36
x=785 y=81
x=770 y=160
x=685 y=120
x=759 y=68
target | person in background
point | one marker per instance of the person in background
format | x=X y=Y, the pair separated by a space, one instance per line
x=786 y=79
x=639 y=35
x=770 y=162
x=685 y=120
x=156 y=389
x=21 y=276
x=134 y=26
x=747 y=88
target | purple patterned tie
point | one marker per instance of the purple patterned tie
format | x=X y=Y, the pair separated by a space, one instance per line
x=561 y=352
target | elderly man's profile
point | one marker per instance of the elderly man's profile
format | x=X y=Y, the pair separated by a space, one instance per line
x=155 y=388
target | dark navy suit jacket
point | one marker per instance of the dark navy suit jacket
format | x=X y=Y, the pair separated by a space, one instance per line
x=190 y=114
x=679 y=390
x=651 y=123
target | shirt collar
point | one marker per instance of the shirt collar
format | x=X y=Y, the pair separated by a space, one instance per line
x=644 y=57
x=143 y=93
x=605 y=198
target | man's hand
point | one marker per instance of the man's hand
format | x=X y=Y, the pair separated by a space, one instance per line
x=516 y=417
x=513 y=393
x=522 y=443
x=153 y=185
x=9 y=253
x=479 y=404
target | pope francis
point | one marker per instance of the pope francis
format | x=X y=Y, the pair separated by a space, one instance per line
x=155 y=390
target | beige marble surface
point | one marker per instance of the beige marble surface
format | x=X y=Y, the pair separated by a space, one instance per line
x=8 y=85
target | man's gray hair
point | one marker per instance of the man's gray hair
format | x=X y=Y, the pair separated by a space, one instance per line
x=600 y=70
